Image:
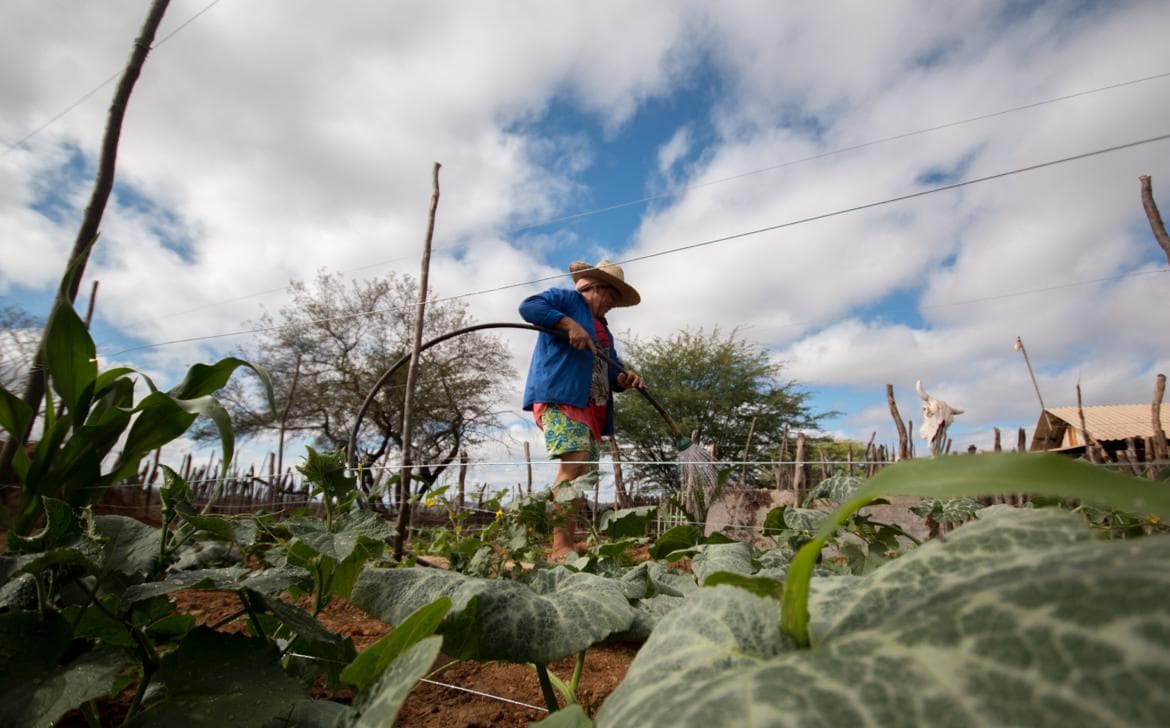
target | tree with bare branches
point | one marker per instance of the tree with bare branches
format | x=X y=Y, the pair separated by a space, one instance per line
x=337 y=338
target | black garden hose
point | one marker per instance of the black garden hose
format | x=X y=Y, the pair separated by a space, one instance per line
x=681 y=442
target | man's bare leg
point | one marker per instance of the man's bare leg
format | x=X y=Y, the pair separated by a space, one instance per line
x=572 y=466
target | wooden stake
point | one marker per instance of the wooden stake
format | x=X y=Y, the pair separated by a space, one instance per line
x=903 y=438
x=621 y=499
x=746 y=449
x=1160 y=446
x=412 y=375
x=1154 y=216
x=798 y=476
x=528 y=463
x=461 y=488
x=1090 y=449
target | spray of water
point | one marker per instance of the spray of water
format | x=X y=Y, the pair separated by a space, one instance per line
x=699 y=479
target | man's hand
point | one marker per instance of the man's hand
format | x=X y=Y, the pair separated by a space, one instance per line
x=630 y=380
x=578 y=337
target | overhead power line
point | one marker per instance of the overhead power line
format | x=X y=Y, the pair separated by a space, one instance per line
x=664 y=195
x=88 y=94
x=587 y=213
x=693 y=246
x=839 y=150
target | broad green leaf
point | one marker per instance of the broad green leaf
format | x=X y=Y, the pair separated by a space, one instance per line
x=560 y=614
x=160 y=420
x=70 y=358
x=1018 y=619
x=215 y=679
x=651 y=577
x=570 y=716
x=316 y=649
x=163 y=417
x=49 y=632
x=15 y=416
x=946 y=510
x=129 y=547
x=628 y=522
x=42 y=699
x=327 y=472
x=349 y=530
x=733 y=557
x=973 y=476
x=233 y=578
x=648 y=613
x=61 y=526
x=219 y=527
x=839 y=488
x=206 y=379
x=804 y=519
x=580 y=487
x=676 y=539
x=379 y=705
x=373 y=660
x=761 y=586
x=226 y=579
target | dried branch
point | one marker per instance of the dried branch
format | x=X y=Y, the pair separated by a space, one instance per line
x=1154 y=216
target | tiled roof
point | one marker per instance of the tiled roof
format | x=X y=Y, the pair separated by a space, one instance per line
x=1115 y=421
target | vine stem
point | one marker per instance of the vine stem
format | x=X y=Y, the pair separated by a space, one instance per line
x=578 y=669
x=546 y=688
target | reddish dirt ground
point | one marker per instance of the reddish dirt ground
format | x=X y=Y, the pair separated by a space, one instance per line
x=443 y=703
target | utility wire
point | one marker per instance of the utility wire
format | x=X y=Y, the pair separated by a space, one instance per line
x=792 y=162
x=86 y=96
x=690 y=246
x=839 y=150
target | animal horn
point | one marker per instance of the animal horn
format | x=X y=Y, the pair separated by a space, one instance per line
x=921 y=391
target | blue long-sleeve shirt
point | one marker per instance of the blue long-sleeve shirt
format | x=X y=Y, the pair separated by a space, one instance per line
x=558 y=373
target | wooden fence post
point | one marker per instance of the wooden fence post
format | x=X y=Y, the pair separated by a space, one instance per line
x=461 y=490
x=798 y=475
x=528 y=462
x=903 y=438
x=1160 y=447
x=621 y=499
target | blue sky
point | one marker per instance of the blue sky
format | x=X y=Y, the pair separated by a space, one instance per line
x=265 y=142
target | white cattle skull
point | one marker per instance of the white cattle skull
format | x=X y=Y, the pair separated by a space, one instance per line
x=937 y=416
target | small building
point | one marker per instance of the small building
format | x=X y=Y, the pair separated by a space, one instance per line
x=1115 y=426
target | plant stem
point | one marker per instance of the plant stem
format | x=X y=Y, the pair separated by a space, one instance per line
x=252 y=617
x=89 y=712
x=546 y=688
x=577 y=670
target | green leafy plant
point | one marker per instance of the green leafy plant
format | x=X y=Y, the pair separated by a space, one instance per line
x=1024 y=616
x=91 y=413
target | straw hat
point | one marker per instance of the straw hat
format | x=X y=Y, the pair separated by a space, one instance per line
x=609 y=273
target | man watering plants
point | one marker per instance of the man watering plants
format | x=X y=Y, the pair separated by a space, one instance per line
x=570 y=390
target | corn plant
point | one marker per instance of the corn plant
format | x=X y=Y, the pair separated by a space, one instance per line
x=87 y=413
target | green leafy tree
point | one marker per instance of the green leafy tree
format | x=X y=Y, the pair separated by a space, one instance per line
x=713 y=384
x=328 y=348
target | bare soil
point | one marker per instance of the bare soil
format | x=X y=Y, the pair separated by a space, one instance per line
x=461 y=694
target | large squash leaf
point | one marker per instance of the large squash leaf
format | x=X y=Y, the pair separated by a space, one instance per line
x=215 y=679
x=1017 y=619
x=560 y=614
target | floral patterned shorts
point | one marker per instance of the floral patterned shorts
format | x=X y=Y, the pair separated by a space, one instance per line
x=563 y=434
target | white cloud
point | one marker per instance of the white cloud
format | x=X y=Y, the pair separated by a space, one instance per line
x=282 y=138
